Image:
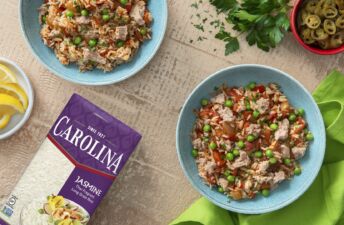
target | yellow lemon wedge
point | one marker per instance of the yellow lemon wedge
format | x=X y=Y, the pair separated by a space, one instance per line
x=6 y=75
x=4 y=120
x=15 y=91
x=10 y=105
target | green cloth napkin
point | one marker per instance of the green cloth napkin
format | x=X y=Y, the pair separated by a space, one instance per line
x=323 y=202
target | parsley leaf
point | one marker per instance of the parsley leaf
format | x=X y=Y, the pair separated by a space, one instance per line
x=223 y=5
x=232 y=42
x=264 y=22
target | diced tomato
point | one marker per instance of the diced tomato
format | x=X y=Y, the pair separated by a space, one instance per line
x=249 y=146
x=146 y=18
x=267 y=135
x=229 y=129
x=272 y=115
x=218 y=158
x=218 y=132
x=247 y=115
x=234 y=95
x=204 y=113
x=259 y=88
x=235 y=172
x=128 y=7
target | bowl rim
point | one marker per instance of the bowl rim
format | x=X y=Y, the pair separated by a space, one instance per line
x=305 y=186
x=131 y=73
x=293 y=25
x=30 y=95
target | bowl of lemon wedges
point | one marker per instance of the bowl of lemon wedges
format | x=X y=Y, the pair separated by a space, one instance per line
x=16 y=98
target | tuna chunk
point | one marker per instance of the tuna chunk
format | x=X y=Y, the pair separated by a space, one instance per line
x=278 y=177
x=223 y=183
x=220 y=99
x=253 y=129
x=82 y=20
x=282 y=132
x=121 y=33
x=209 y=167
x=262 y=105
x=299 y=152
x=197 y=143
x=262 y=167
x=263 y=179
x=138 y=11
x=242 y=160
x=285 y=151
x=248 y=185
x=226 y=114
x=93 y=56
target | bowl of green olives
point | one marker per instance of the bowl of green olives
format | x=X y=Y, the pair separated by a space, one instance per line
x=318 y=25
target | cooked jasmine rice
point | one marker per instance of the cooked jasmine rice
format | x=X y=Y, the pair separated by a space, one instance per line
x=95 y=33
x=248 y=140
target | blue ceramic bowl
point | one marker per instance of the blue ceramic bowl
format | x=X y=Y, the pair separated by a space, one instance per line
x=31 y=28
x=241 y=75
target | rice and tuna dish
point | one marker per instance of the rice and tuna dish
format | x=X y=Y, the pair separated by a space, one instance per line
x=247 y=140
x=95 y=33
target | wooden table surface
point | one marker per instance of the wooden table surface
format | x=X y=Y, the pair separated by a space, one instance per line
x=152 y=188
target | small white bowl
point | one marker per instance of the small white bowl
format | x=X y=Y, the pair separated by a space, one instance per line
x=18 y=120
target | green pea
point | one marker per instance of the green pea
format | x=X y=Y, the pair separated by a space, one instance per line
x=220 y=189
x=273 y=126
x=105 y=12
x=212 y=145
x=205 y=139
x=206 y=128
x=120 y=43
x=44 y=19
x=301 y=112
x=77 y=40
x=256 y=114
x=227 y=173
x=231 y=178
x=272 y=160
x=258 y=154
x=292 y=117
x=69 y=14
x=241 y=144
x=309 y=136
x=228 y=103
x=194 y=153
x=229 y=156
x=124 y=2
x=287 y=161
x=251 y=85
x=265 y=192
x=247 y=105
x=269 y=153
x=250 y=138
x=143 y=30
x=236 y=152
x=92 y=42
x=84 y=12
x=297 y=171
x=204 y=102
x=106 y=17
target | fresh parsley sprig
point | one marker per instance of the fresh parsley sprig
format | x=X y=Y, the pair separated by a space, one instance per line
x=264 y=22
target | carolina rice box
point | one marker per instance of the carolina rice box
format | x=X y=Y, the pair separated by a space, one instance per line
x=75 y=166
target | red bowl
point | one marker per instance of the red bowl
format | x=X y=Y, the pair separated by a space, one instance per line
x=294 y=29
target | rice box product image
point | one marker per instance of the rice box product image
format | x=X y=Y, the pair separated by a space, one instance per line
x=76 y=164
